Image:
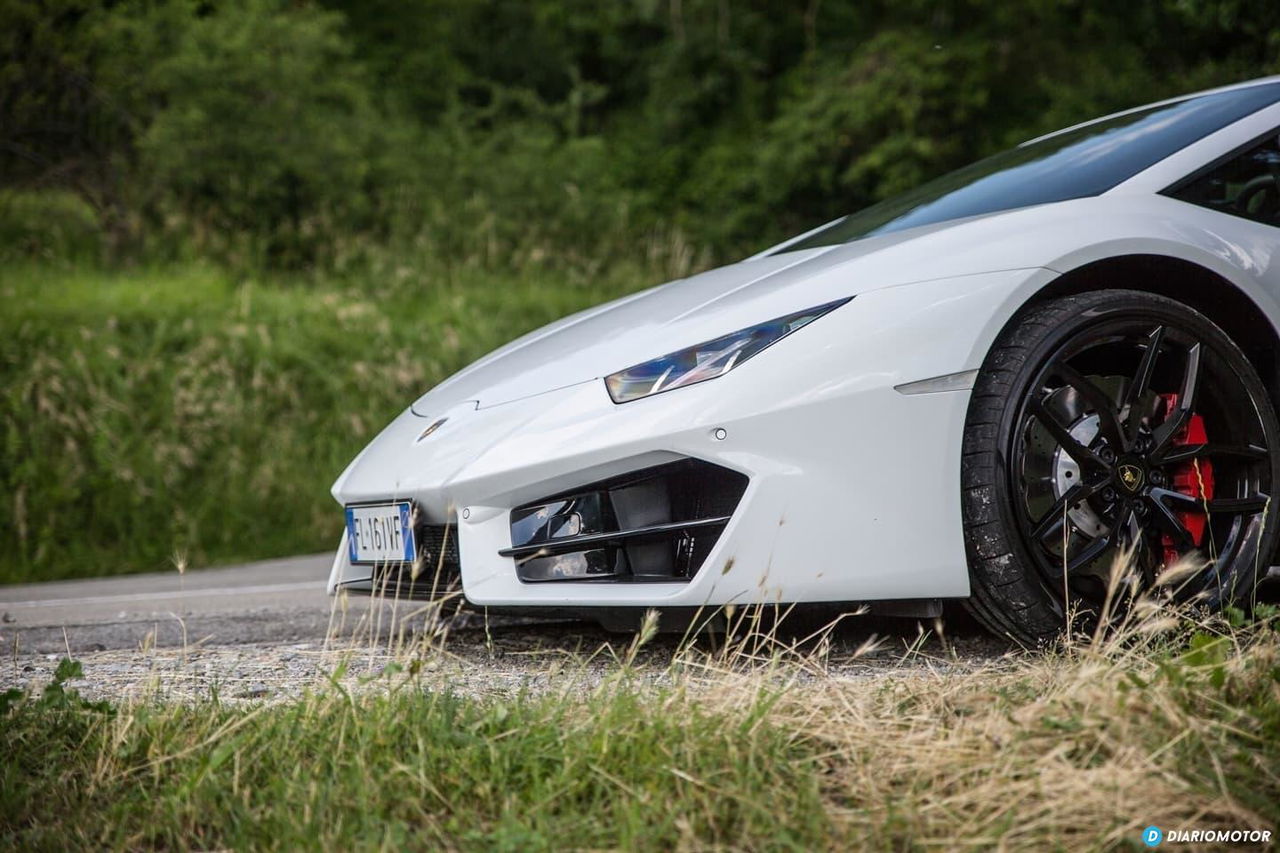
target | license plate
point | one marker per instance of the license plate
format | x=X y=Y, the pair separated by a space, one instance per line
x=381 y=533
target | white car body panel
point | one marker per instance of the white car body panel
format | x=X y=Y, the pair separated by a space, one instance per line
x=853 y=486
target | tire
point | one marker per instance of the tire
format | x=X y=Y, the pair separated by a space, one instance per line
x=1190 y=432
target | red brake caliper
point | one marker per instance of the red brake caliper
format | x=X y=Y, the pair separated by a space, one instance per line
x=1188 y=480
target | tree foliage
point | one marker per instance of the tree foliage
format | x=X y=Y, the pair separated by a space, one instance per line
x=539 y=127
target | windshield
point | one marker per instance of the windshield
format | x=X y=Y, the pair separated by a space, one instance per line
x=1082 y=162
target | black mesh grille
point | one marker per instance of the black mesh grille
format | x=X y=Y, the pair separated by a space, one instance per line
x=439 y=567
x=438 y=546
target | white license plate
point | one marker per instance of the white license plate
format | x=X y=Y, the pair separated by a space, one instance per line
x=381 y=533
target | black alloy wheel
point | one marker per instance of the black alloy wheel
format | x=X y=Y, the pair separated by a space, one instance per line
x=1114 y=423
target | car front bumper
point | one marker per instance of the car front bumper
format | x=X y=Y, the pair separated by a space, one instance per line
x=853 y=486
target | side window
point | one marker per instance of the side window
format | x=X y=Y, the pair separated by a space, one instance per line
x=1247 y=185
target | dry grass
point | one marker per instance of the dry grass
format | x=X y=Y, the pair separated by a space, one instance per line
x=1070 y=751
x=1169 y=717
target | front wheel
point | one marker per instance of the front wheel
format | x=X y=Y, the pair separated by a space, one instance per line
x=1114 y=423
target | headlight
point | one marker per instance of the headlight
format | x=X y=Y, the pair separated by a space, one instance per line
x=707 y=360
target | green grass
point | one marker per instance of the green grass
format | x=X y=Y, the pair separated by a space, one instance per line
x=409 y=768
x=1078 y=749
x=189 y=413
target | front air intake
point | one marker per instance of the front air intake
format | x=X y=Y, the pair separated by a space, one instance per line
x=656 y=524
x=435 y=574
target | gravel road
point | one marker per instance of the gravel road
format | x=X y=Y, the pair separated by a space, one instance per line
x=267 y=630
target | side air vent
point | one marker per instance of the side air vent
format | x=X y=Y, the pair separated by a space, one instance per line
x=656 y=524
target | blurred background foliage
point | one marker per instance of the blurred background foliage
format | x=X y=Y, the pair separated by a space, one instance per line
x=290 y=134
x=237 y=236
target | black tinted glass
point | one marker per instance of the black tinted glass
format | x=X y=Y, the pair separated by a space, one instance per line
x=1246 y=185
x=1078 y=163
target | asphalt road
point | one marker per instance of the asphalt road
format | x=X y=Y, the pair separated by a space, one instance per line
x=268 y=601
x=268 y=629
x=276 y=604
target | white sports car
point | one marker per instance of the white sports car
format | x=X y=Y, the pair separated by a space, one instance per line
x=979 y=390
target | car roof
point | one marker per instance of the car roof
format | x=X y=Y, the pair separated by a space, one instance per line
x=1259 y=81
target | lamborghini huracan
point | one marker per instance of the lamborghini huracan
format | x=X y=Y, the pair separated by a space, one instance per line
x=984 y=390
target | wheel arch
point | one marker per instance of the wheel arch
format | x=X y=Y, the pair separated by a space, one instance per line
x=1195 y=286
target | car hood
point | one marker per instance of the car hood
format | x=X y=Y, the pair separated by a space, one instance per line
x=609 y=337
x=652 y=323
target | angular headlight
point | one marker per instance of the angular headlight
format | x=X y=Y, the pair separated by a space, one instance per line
x=707 y=360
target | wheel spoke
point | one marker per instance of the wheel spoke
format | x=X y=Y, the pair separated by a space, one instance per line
x=1242 y=506
x=1179 y=417
x=1163 y=434
x=1168 y=519
x=1083 y=456
x=1129 y=530
x=1140 y=557
x=1187 y=452
x=1103 y=406
x=1190 y=379
x=1051 y=522
x=1142 y=380
x=1182 y=502
x=1089 y=553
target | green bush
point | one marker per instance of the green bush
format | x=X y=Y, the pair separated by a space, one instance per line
x=271 y=132
x=267 y=128
x=53 y=227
